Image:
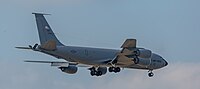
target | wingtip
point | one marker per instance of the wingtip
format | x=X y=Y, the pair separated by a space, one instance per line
x=22 y=48
x=35 y=13
x=26 y=61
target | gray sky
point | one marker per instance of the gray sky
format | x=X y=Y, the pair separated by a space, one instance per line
x=168 y=27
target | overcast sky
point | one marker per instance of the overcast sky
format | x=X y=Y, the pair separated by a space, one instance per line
x=170 y=28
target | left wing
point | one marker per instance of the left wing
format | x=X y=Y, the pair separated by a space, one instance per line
x=23 y=47
x=128 y=46
x=123 y=60
x=129 y=43
x=128 y=49
x=58 y=63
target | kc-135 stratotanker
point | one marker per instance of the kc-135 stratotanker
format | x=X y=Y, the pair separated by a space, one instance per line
x=98 y=60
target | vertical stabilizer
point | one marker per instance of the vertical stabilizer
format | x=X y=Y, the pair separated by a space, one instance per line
x=45 y=32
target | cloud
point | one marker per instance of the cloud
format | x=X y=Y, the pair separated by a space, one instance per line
x=175 y=76
x=23 y=76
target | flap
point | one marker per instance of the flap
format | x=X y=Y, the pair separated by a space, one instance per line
x=121 y=59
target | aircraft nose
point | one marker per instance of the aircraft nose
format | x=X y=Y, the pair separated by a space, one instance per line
x=166 y=63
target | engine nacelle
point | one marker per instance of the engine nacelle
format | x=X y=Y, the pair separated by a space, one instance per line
x=70 y=69
x=144 y=62
x=103 y=70
x=144 y=53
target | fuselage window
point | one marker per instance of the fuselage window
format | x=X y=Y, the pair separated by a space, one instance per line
x=73 y=51
x=86 y=52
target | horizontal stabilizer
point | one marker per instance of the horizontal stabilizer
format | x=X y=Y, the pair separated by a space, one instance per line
x=34 y=48
x=23 y=47
x=40 y=61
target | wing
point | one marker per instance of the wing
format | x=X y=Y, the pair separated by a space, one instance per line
x=58 y=63
x=122 y=59
x=129 y=43
x=23 y=47
x=128 y=46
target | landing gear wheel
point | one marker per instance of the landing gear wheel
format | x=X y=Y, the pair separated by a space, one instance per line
x=117 y=69
x=114 y=69
x=111 y=69
x=62 y=68
x=99 y=73
x=93 y=73
x=150 y=74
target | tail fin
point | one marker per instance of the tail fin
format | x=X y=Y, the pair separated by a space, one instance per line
x=45 y=32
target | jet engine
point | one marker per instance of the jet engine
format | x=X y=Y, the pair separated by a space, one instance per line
x=144 y=62
x=143 y=53
x=70 y=69
x=103 y=70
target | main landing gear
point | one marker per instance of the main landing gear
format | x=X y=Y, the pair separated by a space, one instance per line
x=94 y=72
x=114 y=69
x=97 y=73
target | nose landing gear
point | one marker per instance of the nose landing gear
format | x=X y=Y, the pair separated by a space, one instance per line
x=150 y=74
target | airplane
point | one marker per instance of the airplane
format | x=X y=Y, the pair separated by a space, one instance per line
x=97 y=60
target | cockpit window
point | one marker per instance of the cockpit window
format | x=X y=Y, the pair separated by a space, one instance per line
x=156 y=61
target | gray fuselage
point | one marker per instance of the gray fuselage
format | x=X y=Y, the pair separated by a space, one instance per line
x=99 y=56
